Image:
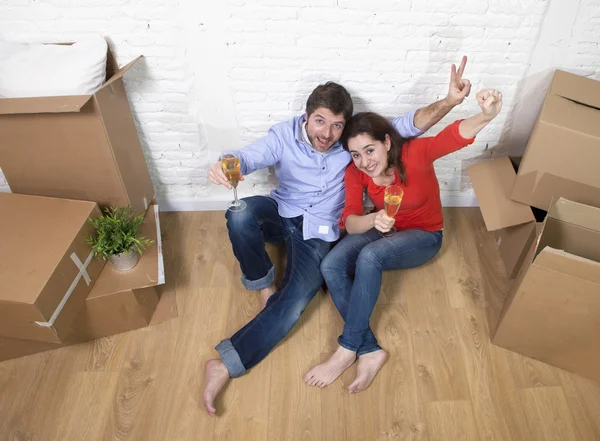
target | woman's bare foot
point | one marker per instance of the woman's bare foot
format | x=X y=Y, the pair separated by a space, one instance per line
x=326 y=373
x=265 y=293
x=368 y=366
x=215 y=377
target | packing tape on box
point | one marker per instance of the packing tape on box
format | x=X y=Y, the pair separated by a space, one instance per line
x=161 y=263
x=82 y=273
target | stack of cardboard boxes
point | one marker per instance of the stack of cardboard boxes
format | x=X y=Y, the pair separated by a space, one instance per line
x=544 y=211
x=65 y=158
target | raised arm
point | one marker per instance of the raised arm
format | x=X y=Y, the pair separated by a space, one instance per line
x=490 y=101
x=459 y=88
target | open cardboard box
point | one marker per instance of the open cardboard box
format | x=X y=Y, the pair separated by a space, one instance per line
x=515 y=225
x=553 y=310
x=119 y=302
x=77 y=147
x=47 y=268
x=563 y=152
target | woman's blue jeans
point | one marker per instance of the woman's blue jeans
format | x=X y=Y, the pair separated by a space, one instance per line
x=353 y=272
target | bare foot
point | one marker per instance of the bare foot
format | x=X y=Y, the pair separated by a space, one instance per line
x=215 y=377
x=265 y=293
x=326 y=373
x=368 y=366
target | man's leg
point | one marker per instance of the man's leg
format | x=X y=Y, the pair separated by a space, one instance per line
x=248 y=231
x=253 y=342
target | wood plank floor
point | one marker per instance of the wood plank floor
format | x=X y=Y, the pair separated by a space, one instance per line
x=444 y=379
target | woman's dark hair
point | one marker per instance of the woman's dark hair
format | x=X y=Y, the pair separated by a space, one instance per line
x=331 y=96
x=376 y=126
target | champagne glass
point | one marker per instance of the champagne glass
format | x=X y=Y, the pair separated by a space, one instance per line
x=231 y=167
x=392 y=199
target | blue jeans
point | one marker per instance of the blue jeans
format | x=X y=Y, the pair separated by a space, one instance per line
x=260 y=222
x=365 y=256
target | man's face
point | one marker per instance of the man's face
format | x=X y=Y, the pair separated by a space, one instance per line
x=324 y=128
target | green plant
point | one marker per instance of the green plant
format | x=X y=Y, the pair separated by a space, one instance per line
x=116 y=232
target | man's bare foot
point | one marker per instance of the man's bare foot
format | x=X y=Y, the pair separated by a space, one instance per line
x=265 y=293
x=368 y=366
x=215 y=377
x=326 y=373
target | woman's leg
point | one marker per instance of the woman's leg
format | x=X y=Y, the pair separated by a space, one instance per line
x=407 y=249
x=338 y=270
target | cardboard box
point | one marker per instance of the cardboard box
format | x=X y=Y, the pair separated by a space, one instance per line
x=118 y=302
x=563 y=152
x=553 y=310
x=513 y=223
x=47 y=268
x=77 y=147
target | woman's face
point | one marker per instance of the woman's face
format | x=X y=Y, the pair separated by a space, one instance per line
x=369 y=155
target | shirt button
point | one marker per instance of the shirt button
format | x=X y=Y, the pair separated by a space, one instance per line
x=323 y=168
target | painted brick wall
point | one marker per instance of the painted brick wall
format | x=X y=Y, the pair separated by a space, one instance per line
x=216 y=77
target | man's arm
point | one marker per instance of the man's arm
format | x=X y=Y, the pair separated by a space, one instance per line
x=428 y=116
x=260 y=154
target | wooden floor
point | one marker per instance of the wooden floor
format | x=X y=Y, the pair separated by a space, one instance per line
x=444 y=380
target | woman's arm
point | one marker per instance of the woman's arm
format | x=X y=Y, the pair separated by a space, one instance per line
x=490 y=101
x=360 y=224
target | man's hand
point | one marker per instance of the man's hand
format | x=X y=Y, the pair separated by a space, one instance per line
x=216 y=175
x=459 y=88
x=490 y=101
x=383 y=222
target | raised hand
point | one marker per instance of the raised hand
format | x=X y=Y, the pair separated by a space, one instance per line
x=459 y=88
x=490 y=101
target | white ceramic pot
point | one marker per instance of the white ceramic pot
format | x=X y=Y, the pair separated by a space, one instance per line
x=125 y=261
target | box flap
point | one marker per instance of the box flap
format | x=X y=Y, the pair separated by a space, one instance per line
x=493 y=181
x=573 y=228
x=575 y=213
x=563 y=112
x=148 y=272
x=34 y=239
x=563 y=262
x=119 y=73
x=576 y=88
x=46 y=104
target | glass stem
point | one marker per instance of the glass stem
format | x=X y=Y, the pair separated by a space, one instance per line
x=235 y=196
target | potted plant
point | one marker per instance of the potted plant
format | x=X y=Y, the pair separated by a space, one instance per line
x=115 y=238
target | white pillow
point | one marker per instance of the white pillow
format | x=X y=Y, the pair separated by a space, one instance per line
x=32 y=70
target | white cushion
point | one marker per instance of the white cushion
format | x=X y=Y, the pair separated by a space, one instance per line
x=32 y=70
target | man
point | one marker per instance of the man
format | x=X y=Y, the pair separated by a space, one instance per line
x=302 y=213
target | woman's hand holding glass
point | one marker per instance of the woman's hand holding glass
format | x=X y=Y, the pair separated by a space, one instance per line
x=382 y=222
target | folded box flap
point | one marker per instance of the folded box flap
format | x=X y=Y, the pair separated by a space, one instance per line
x=576 y=88
x=562 y=262
x=46 y=104
x=493 y=181
x=575 y=213
x=119 y=73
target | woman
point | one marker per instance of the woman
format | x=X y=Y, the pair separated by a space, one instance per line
x=381 y=157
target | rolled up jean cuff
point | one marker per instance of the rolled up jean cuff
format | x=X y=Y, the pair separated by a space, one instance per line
x=231 y=359
x=264 y=282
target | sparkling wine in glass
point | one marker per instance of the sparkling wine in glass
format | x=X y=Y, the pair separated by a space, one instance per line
x=392 y=199
x=231 y=168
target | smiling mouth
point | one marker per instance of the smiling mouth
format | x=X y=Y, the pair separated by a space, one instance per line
x=371 y=169
x=322 y=141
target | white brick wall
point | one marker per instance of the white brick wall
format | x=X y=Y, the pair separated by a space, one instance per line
x=218 y=76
